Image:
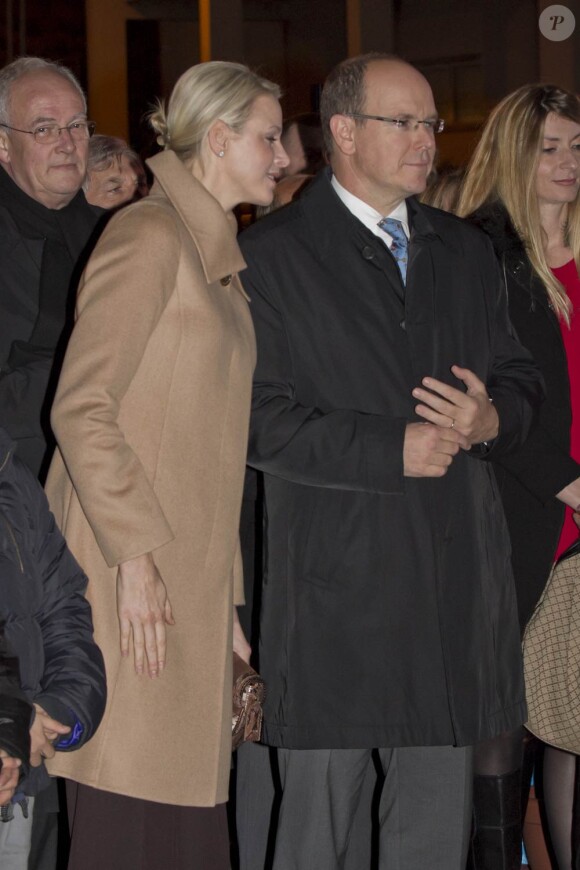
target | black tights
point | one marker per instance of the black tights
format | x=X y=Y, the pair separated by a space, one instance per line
x=499 y=755
x=561 y=786
x=562 y=811
x=512 y=750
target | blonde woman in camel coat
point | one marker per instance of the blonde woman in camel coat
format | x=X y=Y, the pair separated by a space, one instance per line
x=151 y=418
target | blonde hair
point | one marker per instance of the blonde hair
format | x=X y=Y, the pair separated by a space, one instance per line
x=205 y=93
x=444 y=189
x=503 y=169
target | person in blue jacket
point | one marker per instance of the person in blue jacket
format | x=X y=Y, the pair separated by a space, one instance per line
x=15 y=715
x=47 y=627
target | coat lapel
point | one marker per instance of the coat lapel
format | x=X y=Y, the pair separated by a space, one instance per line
x=494 y=220
x=340 y=227
x=212 y=230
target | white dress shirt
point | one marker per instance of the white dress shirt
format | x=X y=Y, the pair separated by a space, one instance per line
x=369 y=216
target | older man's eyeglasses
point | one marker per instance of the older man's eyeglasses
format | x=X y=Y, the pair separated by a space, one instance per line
x=48 y=134
x=432 y=125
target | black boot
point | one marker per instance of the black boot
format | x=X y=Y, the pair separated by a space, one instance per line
x=497 y=823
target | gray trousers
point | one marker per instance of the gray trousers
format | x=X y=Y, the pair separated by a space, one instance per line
x=44 y=845
x=255 y=794
x=256 y=797
x=15 y=839
x=424 y=810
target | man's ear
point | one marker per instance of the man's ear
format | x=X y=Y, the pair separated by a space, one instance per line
x=343 y=128
x=4 y=147
x=218 y=137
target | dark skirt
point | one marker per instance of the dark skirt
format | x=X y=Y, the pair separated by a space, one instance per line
x=123 y=833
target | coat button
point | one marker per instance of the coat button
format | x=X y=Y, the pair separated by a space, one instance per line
x=368 y=252
x=225 y=281
x=402 y=324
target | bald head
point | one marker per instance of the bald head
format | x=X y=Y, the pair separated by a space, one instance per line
x=380 y=161
x=344 y=89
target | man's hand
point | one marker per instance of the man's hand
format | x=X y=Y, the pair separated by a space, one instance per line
x=43 y=733
x=471 y=414
x=9 y=773
x=428 y=450
x=144 y=611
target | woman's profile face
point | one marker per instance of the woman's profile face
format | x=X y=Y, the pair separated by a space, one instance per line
x=558 y=174
x=254 y=158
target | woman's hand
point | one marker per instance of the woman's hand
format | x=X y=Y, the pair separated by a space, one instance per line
x=241 y=645
x=43 y=732
x=144 y=610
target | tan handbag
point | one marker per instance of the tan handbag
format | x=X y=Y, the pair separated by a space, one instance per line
x=248 y=695
x=551 y=649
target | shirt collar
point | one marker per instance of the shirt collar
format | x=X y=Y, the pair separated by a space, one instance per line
x=369 y=216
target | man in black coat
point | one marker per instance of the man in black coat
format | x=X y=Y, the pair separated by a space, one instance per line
x=45 y=226
x=387 y=375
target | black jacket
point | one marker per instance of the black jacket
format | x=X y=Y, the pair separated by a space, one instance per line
x=42 y=252
x=388 y=612
x=530 y=477
x=15 y=711
x=47 y=619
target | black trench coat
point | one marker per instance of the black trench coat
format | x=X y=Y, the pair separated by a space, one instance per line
x=388 y=613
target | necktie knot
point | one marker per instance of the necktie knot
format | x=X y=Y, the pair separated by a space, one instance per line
x=400 y=245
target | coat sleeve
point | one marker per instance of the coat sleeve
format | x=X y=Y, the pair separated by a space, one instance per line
x=73 y=684
x=514 y=382
x=25 y=364
x=23 y=384
x=15 y=712
x=541 y=466
x=342 y=449
x=125 y=287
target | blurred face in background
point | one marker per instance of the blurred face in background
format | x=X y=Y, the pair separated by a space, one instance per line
x=295 y=150
x=114 y=184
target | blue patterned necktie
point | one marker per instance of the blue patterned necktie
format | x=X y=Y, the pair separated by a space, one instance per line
x=400 y=245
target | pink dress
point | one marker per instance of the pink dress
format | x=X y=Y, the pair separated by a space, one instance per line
x=568 y=276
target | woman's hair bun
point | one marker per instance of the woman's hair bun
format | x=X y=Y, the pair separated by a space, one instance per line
x=158 y=121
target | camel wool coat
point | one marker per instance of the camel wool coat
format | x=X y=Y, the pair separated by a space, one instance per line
x=151 y=418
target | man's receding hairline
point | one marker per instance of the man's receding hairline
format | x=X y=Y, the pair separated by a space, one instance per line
x=393 y=61
x=44 y=73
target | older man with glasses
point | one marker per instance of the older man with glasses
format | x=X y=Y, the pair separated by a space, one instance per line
x=45 y=223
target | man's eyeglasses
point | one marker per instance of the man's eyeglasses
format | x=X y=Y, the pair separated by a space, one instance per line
x=48 y=134
x=432 y=125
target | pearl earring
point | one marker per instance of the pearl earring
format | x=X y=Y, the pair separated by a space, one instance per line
x=221 y=153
